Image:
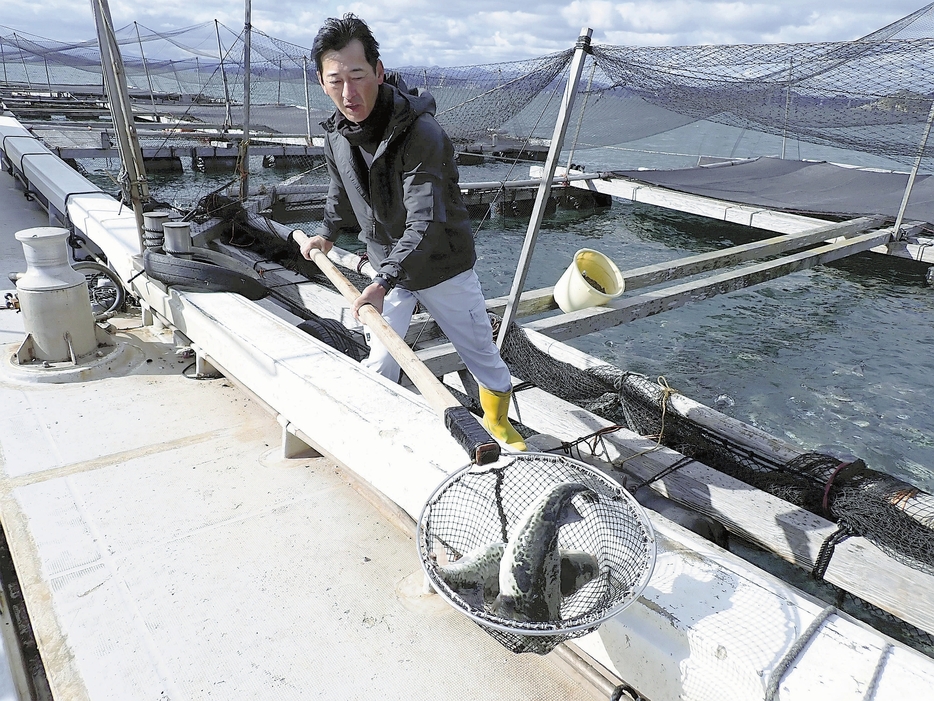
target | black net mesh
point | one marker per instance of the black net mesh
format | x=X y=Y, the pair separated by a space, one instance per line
x=892 y=514
x=480 y=506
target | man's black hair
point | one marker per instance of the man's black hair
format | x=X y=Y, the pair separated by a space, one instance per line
x=335 y=34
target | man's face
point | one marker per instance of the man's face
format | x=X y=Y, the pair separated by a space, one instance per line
x=350 y=81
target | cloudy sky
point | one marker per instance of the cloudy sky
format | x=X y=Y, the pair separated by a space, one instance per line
x=462 y=32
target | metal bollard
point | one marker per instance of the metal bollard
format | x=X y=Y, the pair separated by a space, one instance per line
x=153 y=235
x=177 y=239
x=54 y=300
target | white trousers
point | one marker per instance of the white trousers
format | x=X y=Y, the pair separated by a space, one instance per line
x=457 y=305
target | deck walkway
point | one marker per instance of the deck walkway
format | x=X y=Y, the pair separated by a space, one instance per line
x=165 y=549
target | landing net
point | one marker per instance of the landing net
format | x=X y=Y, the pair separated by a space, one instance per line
x=479 y=507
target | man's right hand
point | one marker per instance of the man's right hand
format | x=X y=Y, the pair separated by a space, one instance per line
x=307 y=243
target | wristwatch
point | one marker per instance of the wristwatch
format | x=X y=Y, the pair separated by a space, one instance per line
x=383 y=281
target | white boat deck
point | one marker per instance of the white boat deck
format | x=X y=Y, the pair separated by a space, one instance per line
x=166 y=550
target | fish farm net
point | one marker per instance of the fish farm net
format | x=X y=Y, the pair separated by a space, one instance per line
x=870 y=95
x=895 y=516
x=486 y=508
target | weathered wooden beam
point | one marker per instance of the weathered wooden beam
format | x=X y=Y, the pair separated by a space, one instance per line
x=649 y=275
x=722 y=210
x=584 y=321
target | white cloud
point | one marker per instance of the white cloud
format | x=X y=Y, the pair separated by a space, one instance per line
x=460 y=32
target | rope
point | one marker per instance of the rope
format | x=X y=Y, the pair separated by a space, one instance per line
x=677 y=465
x=667 y=391
x=826 y=550
x=781 y=668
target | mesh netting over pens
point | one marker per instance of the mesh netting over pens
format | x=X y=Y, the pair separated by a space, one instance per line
x=872 y=95
x=483 y=518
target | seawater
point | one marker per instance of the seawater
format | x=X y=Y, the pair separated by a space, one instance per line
x=838 y=358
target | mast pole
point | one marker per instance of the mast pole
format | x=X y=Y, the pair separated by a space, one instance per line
x=544 y=188
x=220 y=54
x=911 y=177
x=133 y=175
x=245 y=141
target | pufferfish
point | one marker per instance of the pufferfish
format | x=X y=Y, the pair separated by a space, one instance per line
x=530 y=570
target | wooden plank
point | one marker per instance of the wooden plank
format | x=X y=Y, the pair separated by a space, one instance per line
x=722 y=210
x=584 y=321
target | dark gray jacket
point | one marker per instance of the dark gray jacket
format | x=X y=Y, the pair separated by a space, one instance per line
x=410 y=215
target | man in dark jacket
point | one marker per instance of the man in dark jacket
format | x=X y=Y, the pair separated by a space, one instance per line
x=393 y=179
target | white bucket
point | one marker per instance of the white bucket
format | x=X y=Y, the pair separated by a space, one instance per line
x=573 y=291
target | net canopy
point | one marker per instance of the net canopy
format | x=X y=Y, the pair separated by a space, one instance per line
x=871 y=96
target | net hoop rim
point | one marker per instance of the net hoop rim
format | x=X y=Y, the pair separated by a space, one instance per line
x=542 y=629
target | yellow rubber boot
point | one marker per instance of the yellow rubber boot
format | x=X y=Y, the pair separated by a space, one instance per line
x=496 y=418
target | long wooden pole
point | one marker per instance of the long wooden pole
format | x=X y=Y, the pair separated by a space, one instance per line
x=462 y=425
x=544 y=188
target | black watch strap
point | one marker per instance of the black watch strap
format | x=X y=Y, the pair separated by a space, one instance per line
x=383 y=281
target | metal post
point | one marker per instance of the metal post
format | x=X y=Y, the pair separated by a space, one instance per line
x=22 y=57
x=911 y=177
x=178 y=82
x=3 y=61
x=114 y=73
x=580 y=118
x=139 y=40
x=307 y=100
x=544 y=187
x=279 y=85
x=245 y=142
x=48 y=76
x=220 y=53
x=791 y=65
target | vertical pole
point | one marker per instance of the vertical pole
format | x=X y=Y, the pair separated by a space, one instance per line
x=580 y=119
x=133 y=175
x=22 y=57
x=911 y=177
x=245 y=142
x=139 y=40
x=307 y=100
x=544 y=187
x=178 y=81
x=791 y=65
x=3 y=61
x=48 y=76
x=220 y=53
x=279 y=85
